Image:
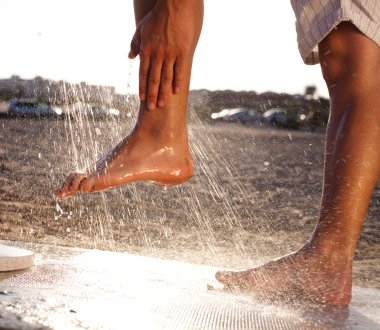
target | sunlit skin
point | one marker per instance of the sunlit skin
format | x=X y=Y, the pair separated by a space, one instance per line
x=322 y=269
x=150 y=157
x=157 y=148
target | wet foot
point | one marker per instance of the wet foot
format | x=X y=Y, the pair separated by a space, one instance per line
x=302 y=275
x=144 y=155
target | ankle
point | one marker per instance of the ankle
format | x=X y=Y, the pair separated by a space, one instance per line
x=162 y=124
x=329 y=252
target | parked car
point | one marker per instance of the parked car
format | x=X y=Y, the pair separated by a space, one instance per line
x=83 y=109
x=32 y=109
x=280 y=117
x=276 y=116
x=79 y=109
x=241 y=115
x=103 y=111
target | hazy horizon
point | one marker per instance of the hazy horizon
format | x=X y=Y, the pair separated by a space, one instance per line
x=245 y=46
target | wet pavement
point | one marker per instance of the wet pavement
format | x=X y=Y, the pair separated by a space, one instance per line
x=72 y=288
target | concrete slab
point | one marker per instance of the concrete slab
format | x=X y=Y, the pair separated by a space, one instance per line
x=90 y=289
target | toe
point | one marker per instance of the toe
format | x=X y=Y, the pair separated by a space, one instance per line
x=237 y=280
x=70 y=186
x=227 y=278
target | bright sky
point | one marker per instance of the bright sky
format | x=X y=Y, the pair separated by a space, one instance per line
x=245 y=44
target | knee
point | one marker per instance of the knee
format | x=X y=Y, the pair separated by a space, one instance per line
x=349 y=59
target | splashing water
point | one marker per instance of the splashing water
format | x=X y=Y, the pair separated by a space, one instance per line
x=200 y=221
x=149 y=218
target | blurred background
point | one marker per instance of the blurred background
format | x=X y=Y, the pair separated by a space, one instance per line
x=245 y=45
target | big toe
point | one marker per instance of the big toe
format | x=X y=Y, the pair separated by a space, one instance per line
x=227 y=278
x=242 y=280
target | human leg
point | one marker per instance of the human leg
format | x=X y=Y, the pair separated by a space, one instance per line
x=157 y=148
x=165 y=39
x=322 y=268
x=350 y=65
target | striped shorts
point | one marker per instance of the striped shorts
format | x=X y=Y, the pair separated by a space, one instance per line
x=316 y=18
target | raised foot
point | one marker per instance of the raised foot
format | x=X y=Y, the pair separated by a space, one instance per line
x=129 y=161
x=299 y=276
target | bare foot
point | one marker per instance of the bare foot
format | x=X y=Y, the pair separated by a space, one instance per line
x=157 y=155
x=300 y=275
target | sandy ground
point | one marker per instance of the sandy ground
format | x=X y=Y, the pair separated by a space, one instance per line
x=254 y=195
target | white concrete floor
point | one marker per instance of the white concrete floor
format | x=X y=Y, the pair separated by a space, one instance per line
x=90 y=289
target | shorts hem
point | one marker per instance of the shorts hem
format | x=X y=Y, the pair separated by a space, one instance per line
x=308 y=42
